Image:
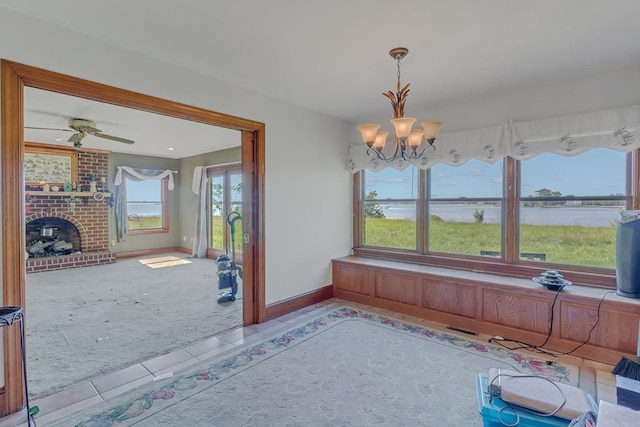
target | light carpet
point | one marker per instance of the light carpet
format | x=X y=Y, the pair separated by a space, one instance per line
x=345 y=368
x=85 y=322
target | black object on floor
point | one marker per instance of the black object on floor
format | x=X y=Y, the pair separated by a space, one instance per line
x=9 y=316
x=228 y=270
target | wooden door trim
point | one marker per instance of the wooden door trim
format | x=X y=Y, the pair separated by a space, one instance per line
x=15 y=77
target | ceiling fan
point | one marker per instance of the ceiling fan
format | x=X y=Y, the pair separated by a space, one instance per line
x=81 y=129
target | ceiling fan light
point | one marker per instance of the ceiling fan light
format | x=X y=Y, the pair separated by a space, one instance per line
x=431 y=130
x=381 y=140
x=369 y=133
x=402 y=126
x=415 y=138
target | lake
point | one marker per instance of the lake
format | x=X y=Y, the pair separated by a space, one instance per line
x=144 y=209
x=586 y=216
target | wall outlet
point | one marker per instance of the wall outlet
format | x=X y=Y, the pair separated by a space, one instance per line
x=113 y=243
x=191 y=239
x=184 y=238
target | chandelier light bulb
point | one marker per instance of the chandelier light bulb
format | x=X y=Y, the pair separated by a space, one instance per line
x=403 y=126
x=369 y=133
x=415 y=138
x=431 y=130
x=381 y=140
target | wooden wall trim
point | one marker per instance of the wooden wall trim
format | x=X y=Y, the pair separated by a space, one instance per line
x=56 y=82
x=15 y=77
x=281 y=308
x=13 y=243
x=253 y=254
x=185 y=250
x=496 y=305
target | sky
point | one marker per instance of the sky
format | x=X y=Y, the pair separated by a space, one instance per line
x=598 y=172
x=143 y=191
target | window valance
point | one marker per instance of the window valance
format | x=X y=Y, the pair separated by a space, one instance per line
x=570 y=135
x=143 y=174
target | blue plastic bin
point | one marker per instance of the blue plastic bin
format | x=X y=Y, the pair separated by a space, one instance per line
x=489 y=411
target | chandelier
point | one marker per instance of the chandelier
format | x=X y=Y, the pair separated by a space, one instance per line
x=407 y=142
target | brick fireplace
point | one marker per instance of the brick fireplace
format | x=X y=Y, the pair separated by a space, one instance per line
x=75 y=218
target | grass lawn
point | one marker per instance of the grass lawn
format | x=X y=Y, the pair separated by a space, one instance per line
x=144 y=222
x=577 y=245
x=218 y=224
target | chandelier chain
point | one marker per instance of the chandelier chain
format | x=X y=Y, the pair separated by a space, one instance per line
x=398 y=71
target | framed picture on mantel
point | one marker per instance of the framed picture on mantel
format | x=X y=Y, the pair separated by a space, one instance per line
x=52 y=165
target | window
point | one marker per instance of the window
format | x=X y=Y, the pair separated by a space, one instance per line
x=465 y=208
x=226 y=197
x=146 y=205
x=509 y=217
x=390 y=202
x=569 y=206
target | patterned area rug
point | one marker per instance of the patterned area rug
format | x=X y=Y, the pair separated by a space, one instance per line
x=346 y=368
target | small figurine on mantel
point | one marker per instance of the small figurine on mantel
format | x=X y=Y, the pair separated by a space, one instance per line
x=92 y=183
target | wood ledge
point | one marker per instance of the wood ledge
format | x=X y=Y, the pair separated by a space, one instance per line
x=511 y=283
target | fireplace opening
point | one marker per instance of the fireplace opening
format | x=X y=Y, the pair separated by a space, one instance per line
x=51 y=236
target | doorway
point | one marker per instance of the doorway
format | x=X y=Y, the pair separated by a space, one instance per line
x=15 y=77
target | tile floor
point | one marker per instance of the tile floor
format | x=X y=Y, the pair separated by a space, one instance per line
x=107 y=386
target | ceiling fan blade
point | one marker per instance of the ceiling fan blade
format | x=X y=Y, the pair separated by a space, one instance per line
x=63 y=130
x=113 y=138
x=76 y=137
x=88 y=129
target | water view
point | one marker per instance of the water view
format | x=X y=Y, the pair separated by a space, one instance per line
x=144 y=209
x=586 y=216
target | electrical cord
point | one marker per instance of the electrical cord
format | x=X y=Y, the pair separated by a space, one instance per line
x=592 y=328
x=494 y=390
x=521 y=345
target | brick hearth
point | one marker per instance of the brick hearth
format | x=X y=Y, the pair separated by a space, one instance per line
x=89 y=216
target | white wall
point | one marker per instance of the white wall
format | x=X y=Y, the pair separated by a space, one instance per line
x=308 y=202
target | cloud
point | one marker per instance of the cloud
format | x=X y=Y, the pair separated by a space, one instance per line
x=477 y=172
x=397 y=180
x=497 y=180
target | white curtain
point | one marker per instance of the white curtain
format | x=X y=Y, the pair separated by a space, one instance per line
x=120 y=201
x=199 y=186
x=615 y=128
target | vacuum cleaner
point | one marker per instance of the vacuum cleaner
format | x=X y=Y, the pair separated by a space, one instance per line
x=228 y=270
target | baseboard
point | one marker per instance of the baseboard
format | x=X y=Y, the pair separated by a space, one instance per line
x=281 y=308
x=144 y=252
x=184 y=250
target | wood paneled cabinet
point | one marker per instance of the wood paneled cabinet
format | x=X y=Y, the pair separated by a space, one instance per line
x=509 y=307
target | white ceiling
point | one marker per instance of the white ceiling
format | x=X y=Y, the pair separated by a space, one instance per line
x=331 y=56
x=154 y=134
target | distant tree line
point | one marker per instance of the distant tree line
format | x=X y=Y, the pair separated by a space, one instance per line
x=545 y=192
